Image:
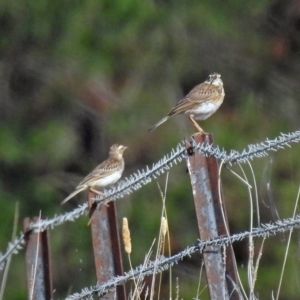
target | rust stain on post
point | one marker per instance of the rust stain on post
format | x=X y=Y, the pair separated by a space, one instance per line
x=37 y=259
x=106 y=244
x=204 y=179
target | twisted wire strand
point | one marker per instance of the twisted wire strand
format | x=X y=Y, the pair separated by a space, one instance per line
x=163 y=263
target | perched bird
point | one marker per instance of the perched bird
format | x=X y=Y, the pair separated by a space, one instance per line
x=108 y=172
x=200 y=103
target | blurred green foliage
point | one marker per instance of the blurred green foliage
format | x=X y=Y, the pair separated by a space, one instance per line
x=78 y=76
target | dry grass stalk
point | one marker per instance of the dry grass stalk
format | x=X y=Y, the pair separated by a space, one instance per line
x=126 y=236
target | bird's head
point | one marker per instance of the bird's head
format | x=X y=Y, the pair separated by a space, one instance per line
x=215 y=79
x=116 y=151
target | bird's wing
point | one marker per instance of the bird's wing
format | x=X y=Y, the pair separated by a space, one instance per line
x=201 y=93
x=101 y=171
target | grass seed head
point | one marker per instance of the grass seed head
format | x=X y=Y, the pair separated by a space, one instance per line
x=126 y=236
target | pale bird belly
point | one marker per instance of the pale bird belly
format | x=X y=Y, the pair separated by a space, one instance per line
x=111 y=179
x=205 y=110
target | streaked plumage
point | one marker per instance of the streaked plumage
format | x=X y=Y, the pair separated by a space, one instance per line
x=108 y=172
x=200 y=103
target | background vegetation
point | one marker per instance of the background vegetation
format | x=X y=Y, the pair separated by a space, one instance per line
x=78 y=76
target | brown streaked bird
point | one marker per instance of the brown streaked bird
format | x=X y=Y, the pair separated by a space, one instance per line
x=108 y=172
x=200 y=103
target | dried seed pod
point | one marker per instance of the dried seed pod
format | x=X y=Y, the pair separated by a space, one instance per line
x=164 y=226
x=126 y=236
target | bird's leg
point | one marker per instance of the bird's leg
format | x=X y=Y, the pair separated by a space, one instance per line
x=96 y=192
x=101 y=194
x=191 y=117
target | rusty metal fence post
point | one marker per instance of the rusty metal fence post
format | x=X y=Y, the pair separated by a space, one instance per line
x=221 y=272
x=106 y=245
x=37 y=257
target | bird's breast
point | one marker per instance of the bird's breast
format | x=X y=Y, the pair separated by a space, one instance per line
x=205 y=109
x=107 y=180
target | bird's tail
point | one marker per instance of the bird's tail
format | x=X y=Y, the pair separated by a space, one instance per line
x=159 y=123
x=73 y=194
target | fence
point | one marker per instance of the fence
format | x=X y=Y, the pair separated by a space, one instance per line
x=201 y=156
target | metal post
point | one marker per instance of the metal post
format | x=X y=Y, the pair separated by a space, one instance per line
x=106 y=245
x=221 y=272
x=37 y=257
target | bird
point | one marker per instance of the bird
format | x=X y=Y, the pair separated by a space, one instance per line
x=107 y=173
x=200 y=103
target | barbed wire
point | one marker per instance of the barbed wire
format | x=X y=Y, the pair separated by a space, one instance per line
x=142 y=177
x=163 y=263
x=252 y=151
x=12 y=248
